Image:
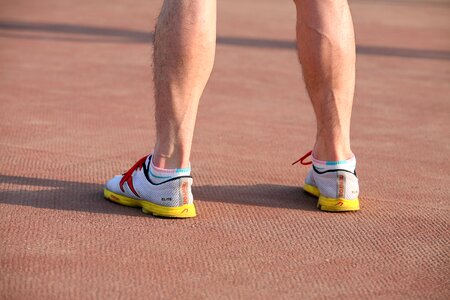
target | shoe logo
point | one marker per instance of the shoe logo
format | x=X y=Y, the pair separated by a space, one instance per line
x=129 y=181
x=184 y=187
x=128 y=176
x=340 y=203
x=184 y=211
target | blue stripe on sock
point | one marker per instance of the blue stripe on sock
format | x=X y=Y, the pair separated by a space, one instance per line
x=177 y=170
x=332 y=163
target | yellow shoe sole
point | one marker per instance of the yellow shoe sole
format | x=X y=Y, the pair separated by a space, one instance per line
x=332 y=204
x=184 y=211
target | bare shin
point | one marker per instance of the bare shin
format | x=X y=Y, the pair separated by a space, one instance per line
x=184 y=50
x=326 y=50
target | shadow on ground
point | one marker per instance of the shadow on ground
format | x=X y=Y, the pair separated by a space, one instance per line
x=88 y=197
x=95 y=34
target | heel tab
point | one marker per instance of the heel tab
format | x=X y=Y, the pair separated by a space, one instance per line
x=186 y=196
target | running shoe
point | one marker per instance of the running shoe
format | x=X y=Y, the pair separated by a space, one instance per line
x=337 y=189
x=171 y=198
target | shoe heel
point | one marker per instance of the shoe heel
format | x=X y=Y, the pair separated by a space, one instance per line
x=337 y=205
x=185 y=211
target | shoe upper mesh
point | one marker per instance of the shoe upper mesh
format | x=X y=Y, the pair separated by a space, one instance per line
x=337 y=184
x=173 y=193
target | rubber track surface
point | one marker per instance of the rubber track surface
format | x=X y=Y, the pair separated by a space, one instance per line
x=76 y=108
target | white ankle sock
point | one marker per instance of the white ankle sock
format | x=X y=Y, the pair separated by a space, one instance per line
x=158 y=175
x=348 y=165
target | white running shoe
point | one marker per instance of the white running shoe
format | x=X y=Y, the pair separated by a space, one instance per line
x=171 y=198
x=337 y=189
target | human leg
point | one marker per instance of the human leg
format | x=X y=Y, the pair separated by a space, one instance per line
x=183 y=58
x=326 y=49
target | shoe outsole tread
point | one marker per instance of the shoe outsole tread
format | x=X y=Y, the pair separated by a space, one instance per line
x=332 y=204
x=184 y=211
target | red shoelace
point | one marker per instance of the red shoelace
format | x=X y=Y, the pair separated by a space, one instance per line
x=127 y=177
x=302 y=159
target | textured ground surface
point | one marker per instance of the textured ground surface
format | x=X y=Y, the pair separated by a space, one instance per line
x=76 y=108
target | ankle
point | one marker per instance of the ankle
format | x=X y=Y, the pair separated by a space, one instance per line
x=170 y=161
x=332 y=152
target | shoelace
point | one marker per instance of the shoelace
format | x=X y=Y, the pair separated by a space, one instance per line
x=302 y=159
x=127 y=176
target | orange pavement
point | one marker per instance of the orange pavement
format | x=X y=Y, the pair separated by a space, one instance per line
x=76 y=108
